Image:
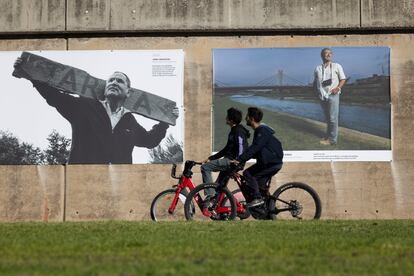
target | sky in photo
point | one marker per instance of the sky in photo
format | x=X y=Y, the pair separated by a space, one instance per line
x=251 y=66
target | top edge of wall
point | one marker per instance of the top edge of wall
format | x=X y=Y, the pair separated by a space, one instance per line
x=45 y=16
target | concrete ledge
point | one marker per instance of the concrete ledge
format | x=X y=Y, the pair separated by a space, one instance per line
x=233 y=14
x=20 y=16
x=88 y=15
x=386 y=13
x=32 y=15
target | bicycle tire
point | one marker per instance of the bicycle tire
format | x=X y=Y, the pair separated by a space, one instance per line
x=298 y=200
x=161 y=203
x=242 y=200
x=190 y=213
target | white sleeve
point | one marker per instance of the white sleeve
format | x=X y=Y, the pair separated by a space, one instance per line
x=340 y=72
x=317 y=81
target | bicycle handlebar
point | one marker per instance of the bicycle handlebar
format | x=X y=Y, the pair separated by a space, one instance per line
x=191 y=163
x=173 y=171
x=187 y=168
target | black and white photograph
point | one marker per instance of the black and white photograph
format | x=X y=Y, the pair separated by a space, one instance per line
x=91 y=107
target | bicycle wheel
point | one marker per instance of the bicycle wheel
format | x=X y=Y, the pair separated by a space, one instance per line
x=295 y=200
x=238 y=195
x=205 y=210
x=160 y=206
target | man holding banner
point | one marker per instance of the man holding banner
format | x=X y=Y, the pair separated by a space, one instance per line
x=103 y=131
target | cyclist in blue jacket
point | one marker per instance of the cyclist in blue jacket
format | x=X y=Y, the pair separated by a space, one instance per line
x=268 y=152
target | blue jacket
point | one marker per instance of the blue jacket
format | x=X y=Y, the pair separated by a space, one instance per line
x=266 y=148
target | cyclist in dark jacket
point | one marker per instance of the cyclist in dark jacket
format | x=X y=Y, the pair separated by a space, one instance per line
x=236 y=144
x=268 y=152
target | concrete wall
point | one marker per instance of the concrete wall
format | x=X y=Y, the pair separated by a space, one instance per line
x=22 y=16
x=347 y=189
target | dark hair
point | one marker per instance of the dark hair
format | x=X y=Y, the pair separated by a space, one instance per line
x=126 y=77
x=325 y=49
x=255 y=113
x=234 y=115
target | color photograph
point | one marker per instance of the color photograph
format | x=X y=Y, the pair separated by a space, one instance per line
x=324 y=103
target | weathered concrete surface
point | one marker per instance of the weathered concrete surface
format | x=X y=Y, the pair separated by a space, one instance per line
x=348 y=190
x=88 y=15
x=32 y=44
x=32 y=15
x=386 y=13
x=201 y=15
x=125 y=192
x=31 y=193
x=170 y=15
x=403 y=111
x=233 y=14
x=364 y=190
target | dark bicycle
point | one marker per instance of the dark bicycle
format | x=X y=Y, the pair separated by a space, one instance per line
x=292 y=200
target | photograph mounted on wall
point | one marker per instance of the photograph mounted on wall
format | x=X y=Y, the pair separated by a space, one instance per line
x=91 y=107
x=325 y=103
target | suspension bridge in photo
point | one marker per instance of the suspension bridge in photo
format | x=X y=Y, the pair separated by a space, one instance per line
x=278 y=84
x=374 y=89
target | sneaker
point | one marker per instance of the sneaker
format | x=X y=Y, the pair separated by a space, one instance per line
x=255 y=202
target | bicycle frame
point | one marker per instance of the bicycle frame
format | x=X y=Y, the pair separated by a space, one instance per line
x=217 y=207
x=238 y=179
x=183 y=183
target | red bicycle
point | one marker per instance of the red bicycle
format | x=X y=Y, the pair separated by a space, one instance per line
x=168 y=205
x=291 y=200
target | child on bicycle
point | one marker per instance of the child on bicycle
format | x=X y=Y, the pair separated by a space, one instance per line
x=237 y=143
x=268 y=152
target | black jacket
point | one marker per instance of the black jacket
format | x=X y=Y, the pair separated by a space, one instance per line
x=266 y=148
x=93 y=140
x=237 y=143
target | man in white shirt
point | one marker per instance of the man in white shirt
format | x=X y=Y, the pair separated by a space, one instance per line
x=329 y=79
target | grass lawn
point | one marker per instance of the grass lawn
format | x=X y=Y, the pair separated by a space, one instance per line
x=295 y=133
x=215 y=248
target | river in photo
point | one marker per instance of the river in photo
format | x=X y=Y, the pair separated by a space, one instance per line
x=368 y=119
